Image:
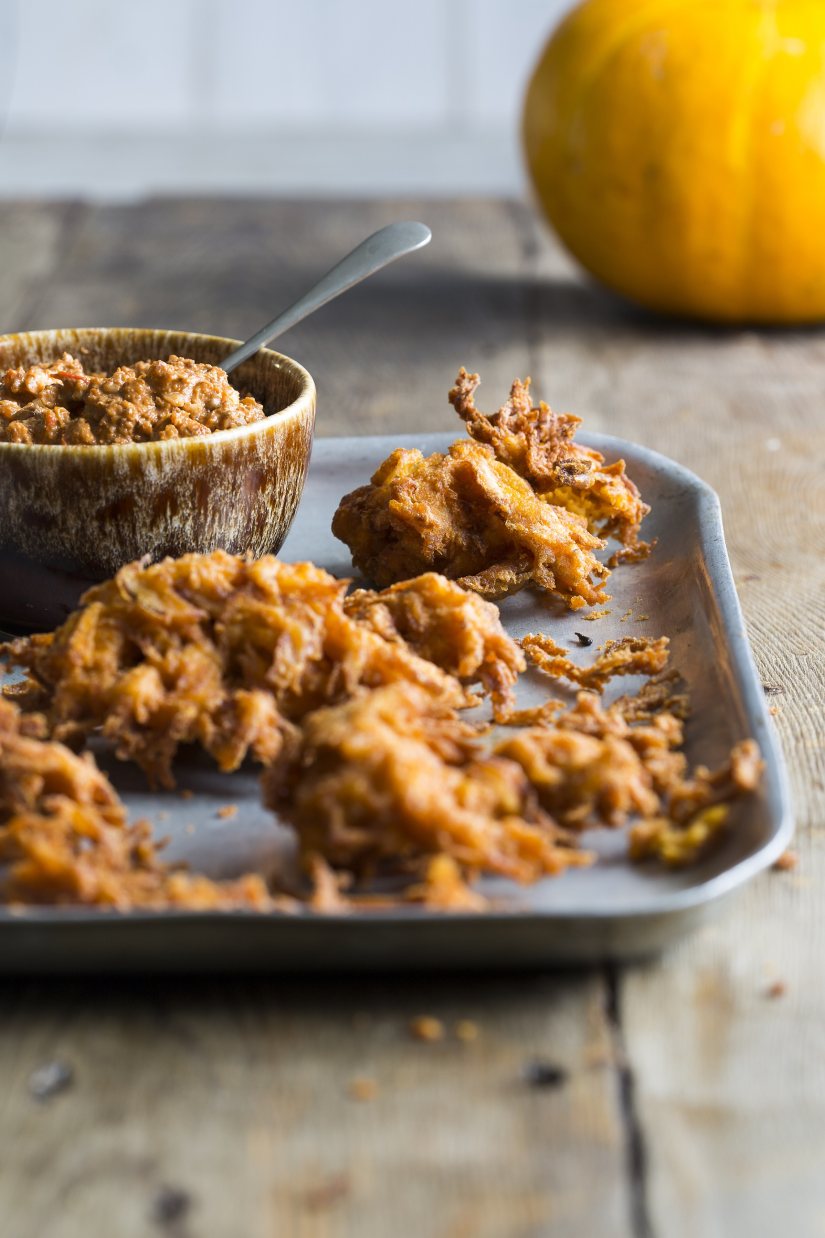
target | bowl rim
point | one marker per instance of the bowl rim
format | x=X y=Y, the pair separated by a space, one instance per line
x=305 y=400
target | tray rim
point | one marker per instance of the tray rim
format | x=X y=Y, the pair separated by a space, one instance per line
x=779 y=802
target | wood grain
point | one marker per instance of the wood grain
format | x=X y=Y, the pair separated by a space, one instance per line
x=240 y=1096
x=695 y=1102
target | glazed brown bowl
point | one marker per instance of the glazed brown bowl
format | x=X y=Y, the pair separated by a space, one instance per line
x=72 y=515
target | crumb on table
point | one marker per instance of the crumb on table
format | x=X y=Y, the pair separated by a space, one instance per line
x=362 y=1088
x=425 y=1027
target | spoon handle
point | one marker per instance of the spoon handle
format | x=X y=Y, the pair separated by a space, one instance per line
x=371 y=255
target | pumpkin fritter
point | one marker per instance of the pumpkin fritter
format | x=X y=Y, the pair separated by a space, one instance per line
x=538 y=444
x=471 y=518
x=393 y=776
x=213 y=649
x=64 y=836
x=447 y=625
x=582 y=780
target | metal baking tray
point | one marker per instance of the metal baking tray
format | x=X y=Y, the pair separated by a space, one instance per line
x=614 y=910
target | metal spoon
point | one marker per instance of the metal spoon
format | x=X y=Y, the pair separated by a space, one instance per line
x=371 y=255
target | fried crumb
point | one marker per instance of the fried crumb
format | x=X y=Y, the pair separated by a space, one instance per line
x=362 y=1088
x=190 y=829
x=466 y=1031
x=186 y=793
x=628 y=614
x=777 y=988
x=325 y=1194
x=642 y=618
x=774 y=711
x=787 y=861
x=228 y=811
x=597 y=614
x=425 y=1027
x=634 y=553
x=163 y=815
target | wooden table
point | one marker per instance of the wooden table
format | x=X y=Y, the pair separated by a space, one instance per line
x=695 y=1099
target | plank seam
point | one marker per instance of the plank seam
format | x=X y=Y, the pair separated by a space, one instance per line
x=635 y=1146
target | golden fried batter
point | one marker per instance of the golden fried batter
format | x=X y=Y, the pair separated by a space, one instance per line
x=597 y=766
x=445 y=889
x=583 y=780
x=64 y=837
x=471 y=518
x=697 y=812
x=447 y=625
x=538 y=445
x=632 y=655
x=393 y=776
x=209 y=649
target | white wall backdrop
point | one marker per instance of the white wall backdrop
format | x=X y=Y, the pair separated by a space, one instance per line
x=119 y=98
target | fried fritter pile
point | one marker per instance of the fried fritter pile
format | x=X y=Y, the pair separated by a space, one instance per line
x=538 y=444
x=520 y=504
x=393 y=775
x=471 y=518
x=448 y=625
x=223 y=652
x=64 y=837
x=353 y=706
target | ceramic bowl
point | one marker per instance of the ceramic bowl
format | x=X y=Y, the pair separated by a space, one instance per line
x=72 y=515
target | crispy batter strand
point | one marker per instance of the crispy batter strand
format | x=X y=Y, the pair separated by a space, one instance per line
x=632 y=655
x=538 y=444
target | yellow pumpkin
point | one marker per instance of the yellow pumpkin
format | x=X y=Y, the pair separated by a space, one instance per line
x=678 y=148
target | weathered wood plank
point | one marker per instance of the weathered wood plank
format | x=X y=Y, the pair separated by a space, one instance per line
x=238 y=1094
x=33 y=239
